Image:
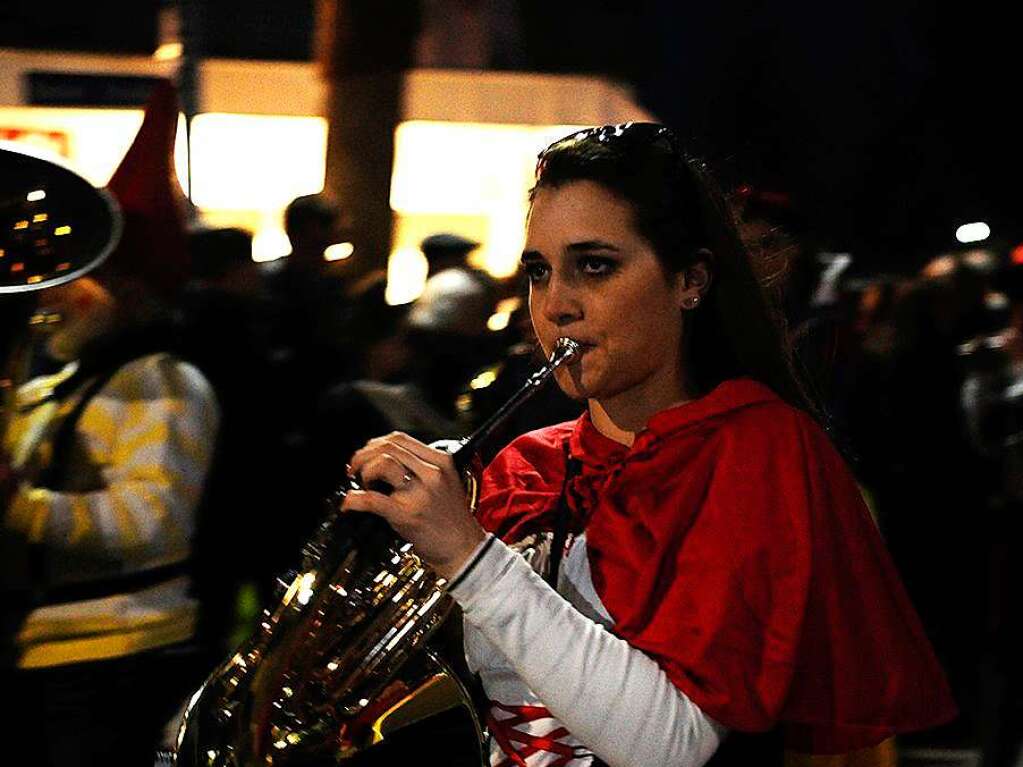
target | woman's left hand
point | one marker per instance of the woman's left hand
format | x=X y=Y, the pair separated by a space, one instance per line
x=428 y=506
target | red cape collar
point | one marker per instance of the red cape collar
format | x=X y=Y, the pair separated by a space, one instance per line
x=600 y=453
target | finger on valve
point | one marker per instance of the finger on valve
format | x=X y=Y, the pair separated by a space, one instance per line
x=387 y=469
x=411 y=463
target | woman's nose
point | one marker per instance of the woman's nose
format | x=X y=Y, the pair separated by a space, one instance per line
x=562 y=305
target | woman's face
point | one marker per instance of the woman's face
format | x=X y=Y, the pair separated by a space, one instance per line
x=593 y=278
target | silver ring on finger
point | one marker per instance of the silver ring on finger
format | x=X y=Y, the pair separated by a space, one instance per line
x=407 y=477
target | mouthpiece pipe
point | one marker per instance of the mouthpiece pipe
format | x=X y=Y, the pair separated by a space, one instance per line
x=565 y=350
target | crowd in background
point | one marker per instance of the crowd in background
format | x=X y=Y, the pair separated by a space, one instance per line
x=919 y=377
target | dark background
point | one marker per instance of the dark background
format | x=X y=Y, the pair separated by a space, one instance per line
x=887 y=124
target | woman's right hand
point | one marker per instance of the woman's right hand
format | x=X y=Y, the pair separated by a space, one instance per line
x=428 y=505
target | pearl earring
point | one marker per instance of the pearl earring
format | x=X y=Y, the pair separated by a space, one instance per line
x=691 y=303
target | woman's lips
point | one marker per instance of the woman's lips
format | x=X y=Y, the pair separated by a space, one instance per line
x=584 y=347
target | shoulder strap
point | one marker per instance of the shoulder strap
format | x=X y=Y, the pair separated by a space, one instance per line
x=561 y=518
x=52 y=477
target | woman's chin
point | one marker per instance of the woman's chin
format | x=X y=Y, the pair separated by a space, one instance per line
x=574 y=383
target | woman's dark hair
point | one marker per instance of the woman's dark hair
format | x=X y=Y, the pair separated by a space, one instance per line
x=678 y=209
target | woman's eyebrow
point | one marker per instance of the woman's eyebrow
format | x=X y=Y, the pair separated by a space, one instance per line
x=590 y=245
x=531 y=255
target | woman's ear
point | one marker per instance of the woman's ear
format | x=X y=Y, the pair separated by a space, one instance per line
x=696 y=280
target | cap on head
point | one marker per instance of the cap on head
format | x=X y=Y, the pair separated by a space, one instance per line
x=446 y=243
x=153 y=248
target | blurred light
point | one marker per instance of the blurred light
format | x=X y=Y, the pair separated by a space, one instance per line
x=270 y=243
x=256 y=162
x=60 y=231
x=995 y=301
x=498 y=321
x=483 y=380
x=975 y=232
x=981 y=260
x=305 y=588
x=1017 y=255
x=20 y=225
x=168 y=52
x=941 y=266
x=18 y=267
x=36 y=195
x=339 y=251
x=34 y=279
x=502 y=313
x=406 y=276
x=38 y=218
x=509 y=304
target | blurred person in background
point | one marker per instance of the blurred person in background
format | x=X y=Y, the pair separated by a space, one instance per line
x=929 y=481
x=992 y=399
x=687 y=573
x=308 y=292
x=445 y=340
x=860 y=393
x=309 y=351
x=376 y=332
x=448 y=255
x=225 y=318
x=110 y=455
x=313 y=222
x=448 y=322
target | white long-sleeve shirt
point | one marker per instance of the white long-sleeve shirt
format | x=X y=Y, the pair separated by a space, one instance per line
x=562 y=683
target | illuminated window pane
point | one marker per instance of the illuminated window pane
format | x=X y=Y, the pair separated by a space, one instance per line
x=256 y=162
x=444 y=170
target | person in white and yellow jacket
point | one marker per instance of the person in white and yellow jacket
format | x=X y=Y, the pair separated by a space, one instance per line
x=105 y=463
x=110 y=456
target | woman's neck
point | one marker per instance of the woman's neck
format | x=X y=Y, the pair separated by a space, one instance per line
x=606 y=425
x=623 y=416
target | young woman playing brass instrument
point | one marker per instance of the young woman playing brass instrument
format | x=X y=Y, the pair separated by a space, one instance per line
x=687 y=574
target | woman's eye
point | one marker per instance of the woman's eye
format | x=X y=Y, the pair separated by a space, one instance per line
x=595 y=266
x=536 y=270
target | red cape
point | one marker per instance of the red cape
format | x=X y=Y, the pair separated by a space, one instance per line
x=731 y=544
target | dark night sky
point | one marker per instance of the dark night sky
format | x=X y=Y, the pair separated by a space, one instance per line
x=889 y=124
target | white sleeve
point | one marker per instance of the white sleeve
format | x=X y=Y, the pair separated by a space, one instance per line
x=148 y=436
x=611 y=696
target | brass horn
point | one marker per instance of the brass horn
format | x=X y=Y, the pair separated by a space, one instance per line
x=54 y=225
x=344 y=664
